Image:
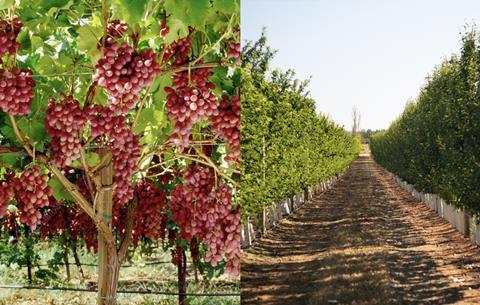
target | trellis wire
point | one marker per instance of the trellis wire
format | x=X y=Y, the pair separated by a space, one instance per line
x=169 y=293
x=123 y=266
x=62 y=74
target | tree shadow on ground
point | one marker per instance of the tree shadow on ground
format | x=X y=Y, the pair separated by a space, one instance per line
x=366 y=241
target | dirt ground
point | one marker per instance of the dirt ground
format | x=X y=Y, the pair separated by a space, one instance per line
x=366 y=241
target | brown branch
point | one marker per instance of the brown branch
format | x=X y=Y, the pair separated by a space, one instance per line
x=215 y=167
x=71 y=188
x=90 y=94
x=10 y=150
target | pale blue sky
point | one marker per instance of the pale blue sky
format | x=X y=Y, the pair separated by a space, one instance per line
x=372 y=54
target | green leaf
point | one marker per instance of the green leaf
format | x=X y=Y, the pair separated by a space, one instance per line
x=226 y=6
x=10 y=159
x=145 y=119
x=58 y=190
x=37 y=42
x=191 y=12
x=92 y=159
x=4 y=4
x=46 y=65
x=177 y=30
x=24 y=41
x=158 y=88
x=87 y=41
x=132 y=11
x=48 y=4
x=35 y=131
x=7 y=132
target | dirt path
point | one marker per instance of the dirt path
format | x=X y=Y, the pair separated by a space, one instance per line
x=366 y=241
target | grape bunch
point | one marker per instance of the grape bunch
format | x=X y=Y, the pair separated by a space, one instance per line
x=55 y=221
x=116 y=28
x=233 y=51
x=189 y=201
x=32 y=193
x=204 y=210
x=9 y=30
x=223 y=235
x=6 y=194
x=126 y=150
x=149 y=214
x=103 y=120
x=227 y=125
x=123 y=72
x=178 y=53
x=16 y=91
x=190 y=102
x=64 y=122
x=82 y=226
x=111 y=130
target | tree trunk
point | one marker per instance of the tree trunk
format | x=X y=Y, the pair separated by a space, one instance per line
x=77 y=260
x=65 y=258
x=182 y=279
x=108 y=264
x=28 y=250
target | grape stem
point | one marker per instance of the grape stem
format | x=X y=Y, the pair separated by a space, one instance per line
x=214 y=46
x=140 y=107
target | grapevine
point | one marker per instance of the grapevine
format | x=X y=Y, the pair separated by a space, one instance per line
x=98 y=142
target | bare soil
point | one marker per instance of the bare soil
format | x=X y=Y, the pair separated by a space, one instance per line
x=365 y=241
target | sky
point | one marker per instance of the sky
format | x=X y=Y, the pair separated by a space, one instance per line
x=374 y=55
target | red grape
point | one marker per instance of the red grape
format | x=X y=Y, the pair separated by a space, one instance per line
x=16 y=91
x=64 y=123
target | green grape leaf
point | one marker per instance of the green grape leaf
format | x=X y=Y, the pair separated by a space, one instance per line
x=146 y=118
x=87 y=40
x=10 y=159
x=35 y=131
x=58 y=190
x=177 y=30
x=46 y=65
x=190 y=12
x=158 y=88
x=132 y=11
x=4 y=4
x=92 y=159
x=226 y=6
x=24 y=41
x=37 y=42
x=7 y=132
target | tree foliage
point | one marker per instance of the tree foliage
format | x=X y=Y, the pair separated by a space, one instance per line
x=286 y=145
x=435 y=143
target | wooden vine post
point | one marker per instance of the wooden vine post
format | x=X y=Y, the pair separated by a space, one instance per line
x=108 y=262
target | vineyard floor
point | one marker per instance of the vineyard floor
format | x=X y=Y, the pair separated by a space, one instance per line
x=365 y=241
